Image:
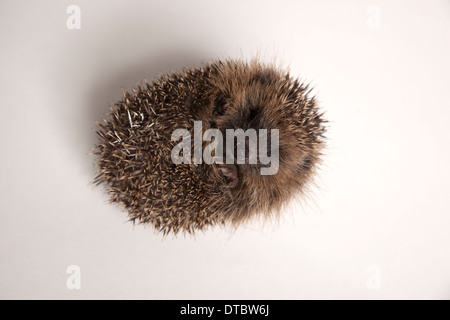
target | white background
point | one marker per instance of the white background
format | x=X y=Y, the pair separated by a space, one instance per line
x=381 y=198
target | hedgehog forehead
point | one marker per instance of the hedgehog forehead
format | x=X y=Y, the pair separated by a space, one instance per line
x=256 y=92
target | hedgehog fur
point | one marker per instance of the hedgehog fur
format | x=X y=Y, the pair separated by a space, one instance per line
x=134 y=149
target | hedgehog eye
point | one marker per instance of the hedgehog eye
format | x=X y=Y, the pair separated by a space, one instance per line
x=219 y=106
x=253 y=113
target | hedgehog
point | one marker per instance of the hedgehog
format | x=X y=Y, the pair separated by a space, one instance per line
x=134 y=155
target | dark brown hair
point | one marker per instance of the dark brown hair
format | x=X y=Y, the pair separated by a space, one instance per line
x=134 y=151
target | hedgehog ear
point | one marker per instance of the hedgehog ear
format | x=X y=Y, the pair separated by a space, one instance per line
x=230 y=171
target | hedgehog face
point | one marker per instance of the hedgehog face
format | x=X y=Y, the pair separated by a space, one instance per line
x=251 y=114
x=248 y=116
x=267 y=101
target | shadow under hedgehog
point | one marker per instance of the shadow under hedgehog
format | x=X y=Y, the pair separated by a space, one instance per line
x=134 y=150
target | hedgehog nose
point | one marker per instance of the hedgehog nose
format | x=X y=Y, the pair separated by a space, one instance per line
x=246 y=154
x=250 y=152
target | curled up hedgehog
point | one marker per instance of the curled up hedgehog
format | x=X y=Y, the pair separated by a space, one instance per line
x=218 y=144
